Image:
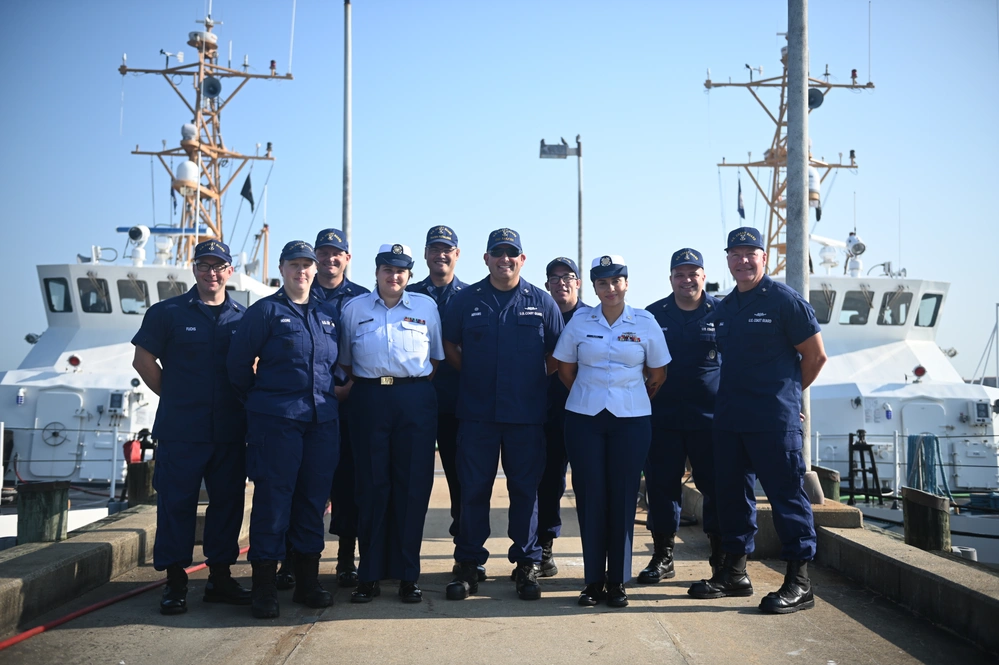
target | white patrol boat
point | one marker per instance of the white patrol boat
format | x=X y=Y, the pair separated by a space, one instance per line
x=887 y=387
x=75 y=400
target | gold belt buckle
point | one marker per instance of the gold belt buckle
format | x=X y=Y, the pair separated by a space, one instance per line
x=387 y=380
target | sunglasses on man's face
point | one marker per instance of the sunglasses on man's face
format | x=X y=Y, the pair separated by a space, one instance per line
x=508 y=250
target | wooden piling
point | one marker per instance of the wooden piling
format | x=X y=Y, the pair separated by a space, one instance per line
x=42 y=512
x=927 y=520
x=829 y=479
x=140 y=483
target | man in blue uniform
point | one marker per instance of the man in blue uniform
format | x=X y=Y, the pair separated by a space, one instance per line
x=682 y=413
x=332 y=285
x=200 y=426
x=500 y=333
x=563 y=283
x=773 y=350
x=441 y=253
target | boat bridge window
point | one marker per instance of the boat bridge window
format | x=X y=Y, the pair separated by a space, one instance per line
x=94 y=298
x=134 y=296
x=170 y=289
x=822 y=302
x=895 y=308
x=857 y=306
x=57 y=294
x=929 y=306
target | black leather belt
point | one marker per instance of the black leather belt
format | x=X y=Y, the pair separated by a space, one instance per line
x=390 y=380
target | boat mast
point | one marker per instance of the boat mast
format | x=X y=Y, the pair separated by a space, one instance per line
x=204 y=147
x=775 y=157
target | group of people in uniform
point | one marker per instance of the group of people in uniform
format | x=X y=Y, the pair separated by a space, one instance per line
x=328 y=393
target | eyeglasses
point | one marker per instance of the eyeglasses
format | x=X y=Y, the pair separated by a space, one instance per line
x=441 y=249
x=508 y=250
x=565 y=279
x=217 y=268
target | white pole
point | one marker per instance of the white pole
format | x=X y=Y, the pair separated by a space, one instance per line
x=114 y=470
x=579 y=165
x=347 y=121
x=797 y=195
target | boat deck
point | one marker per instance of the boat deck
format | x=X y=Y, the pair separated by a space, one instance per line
x=849 y=623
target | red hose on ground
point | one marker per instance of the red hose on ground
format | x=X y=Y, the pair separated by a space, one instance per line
x=20 y=637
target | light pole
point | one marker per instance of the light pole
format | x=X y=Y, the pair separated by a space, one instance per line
x=562 y=151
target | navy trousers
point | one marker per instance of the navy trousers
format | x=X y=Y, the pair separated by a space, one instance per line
x=607 y=454
x=180 y=468
x=343 y=496
x=393 y=430
x=291 y=464
x=774 y=457
x=552 y=485
x=480 y=447
x=664 y=471
x=447 y=447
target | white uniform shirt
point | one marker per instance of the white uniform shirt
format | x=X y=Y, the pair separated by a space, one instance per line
x=611 y=360
x=376 y=341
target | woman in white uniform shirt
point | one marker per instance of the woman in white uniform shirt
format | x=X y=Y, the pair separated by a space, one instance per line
x=613 y=359
x=391 y=344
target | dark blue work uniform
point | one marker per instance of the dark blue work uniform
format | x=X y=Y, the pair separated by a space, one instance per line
x=293 y=439
x=446 y=385
x=502 y=402
x=552 y=485
x=757 y=431
x=200 y=428
x=683 y=413
x=343 y=506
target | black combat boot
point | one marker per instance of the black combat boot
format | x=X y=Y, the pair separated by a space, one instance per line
x=264 y=594
x=715 y=560
x=730 y=580
x=795 y=594
x=465 y=583
x=221 y=588
x=174 y=600
x=285 y=577
x=548 y=567
x=346 y=571
x=308 y=590
x=527 y=581
x=661 y=565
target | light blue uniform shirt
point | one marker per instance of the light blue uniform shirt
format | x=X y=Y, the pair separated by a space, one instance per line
x=399 y=342
x=612 y=360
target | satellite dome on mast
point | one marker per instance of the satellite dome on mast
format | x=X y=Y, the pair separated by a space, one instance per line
x=202 y=39
x=187 y=178
x=189 y=139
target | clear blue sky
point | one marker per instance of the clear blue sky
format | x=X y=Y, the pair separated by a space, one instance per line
x=450 y=101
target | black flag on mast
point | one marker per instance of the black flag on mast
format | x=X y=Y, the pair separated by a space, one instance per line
x=247 y=192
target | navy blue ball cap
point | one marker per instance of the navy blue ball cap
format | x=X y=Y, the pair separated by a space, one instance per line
x=745 y=236
x=442 y=234
x=213 y=247
x=332 y=238
x=399 y=256
x=298 y=249
x=686 y=256
x=562 y=261
x=611 y=265
x=504 y=237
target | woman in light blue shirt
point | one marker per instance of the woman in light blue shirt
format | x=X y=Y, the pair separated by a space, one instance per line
x=613 y=360
x=391 y=344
